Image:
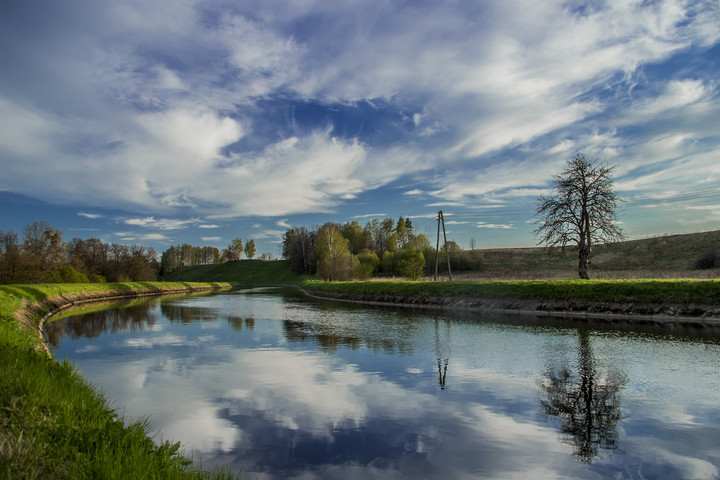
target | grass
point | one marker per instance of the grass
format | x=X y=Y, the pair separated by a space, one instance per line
x=55 y=425
x=669 y=256
x=246 y=272
x=683 y=292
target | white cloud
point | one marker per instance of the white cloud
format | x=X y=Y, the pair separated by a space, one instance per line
x=370 y=215
x=493 y=225
x=90 y=215
x=162 y=223
x=143 y=237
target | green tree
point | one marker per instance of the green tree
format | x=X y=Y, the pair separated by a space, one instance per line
x=250 y=249
x=298 y=245
x=365 y=265
x=332 y=250
x=235 y=249
x=581 y=211
x=403 y=233
x=410 y=263
x=356 y=235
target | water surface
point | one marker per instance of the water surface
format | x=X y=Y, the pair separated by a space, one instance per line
x=287 y=387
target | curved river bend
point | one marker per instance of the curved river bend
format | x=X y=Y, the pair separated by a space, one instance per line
x=283 y=386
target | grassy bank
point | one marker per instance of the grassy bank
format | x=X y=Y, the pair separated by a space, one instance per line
x=669 y=297
x=645 y=291
x=55 y=425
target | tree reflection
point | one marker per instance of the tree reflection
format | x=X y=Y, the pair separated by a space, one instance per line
x=186 y=314
x=91 y=325
x=396 y=339
x=587 y=404
x=236 y=323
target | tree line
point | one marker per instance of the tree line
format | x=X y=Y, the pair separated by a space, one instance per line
x=387 y=247
x=186 y=255
x=42 y=256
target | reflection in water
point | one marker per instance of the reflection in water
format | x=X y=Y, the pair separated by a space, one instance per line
x=330 y=333
x=442 y=352
x=187 y=314
x=130 y=318
x=237 y=323
x=283 y=387
x=587 y=403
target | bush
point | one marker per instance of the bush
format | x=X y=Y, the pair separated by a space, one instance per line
x=410 y=263
x=367 y=263
x=65 y=274
x=706 y=260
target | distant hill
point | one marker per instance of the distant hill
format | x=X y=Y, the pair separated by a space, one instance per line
x=694 y=255
x=255 y=272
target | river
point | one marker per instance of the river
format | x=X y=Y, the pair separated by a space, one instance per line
x=284 y=386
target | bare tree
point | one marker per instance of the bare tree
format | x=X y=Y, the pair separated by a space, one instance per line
x=581 y=211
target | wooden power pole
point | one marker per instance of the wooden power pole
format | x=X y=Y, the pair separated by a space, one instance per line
x=441 y=221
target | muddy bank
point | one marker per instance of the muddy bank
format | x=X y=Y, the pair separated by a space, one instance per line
x=695 y=315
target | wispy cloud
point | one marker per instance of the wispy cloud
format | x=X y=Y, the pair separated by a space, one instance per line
x=493 y=225
x=370 y=215
x=90 y=215
x=142 y=237
x=161 y=223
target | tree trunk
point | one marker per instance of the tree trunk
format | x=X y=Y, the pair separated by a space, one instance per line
x=583 y=263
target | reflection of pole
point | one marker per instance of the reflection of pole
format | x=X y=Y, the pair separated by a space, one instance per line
x=442 y=365
x=442 y=374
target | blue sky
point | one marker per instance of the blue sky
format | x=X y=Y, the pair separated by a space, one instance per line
x=181 y=121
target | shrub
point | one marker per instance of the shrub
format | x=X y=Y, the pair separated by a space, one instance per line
x=707 y=260
x=367 y=263
x=410 y=263
x=65 y=274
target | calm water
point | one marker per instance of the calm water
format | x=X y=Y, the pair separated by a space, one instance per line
x=287 y=387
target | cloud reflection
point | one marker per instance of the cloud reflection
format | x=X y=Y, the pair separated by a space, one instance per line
x=354 y=394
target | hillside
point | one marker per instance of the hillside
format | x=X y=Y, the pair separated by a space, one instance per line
x=255 y=272
x=671 y=256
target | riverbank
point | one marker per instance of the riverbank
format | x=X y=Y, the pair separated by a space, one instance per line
x=683 y=302
x=53 y=423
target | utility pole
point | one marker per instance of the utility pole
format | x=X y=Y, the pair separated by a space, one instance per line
x=437 y=246
x=441 y=220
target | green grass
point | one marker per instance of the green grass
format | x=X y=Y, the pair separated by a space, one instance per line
x=245 y=272
x=53 y=423
x=684 y=292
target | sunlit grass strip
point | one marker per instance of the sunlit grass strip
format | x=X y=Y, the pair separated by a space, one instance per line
x=53 y=424
x=704 y=292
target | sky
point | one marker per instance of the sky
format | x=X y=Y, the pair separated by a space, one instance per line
x=181 y=121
